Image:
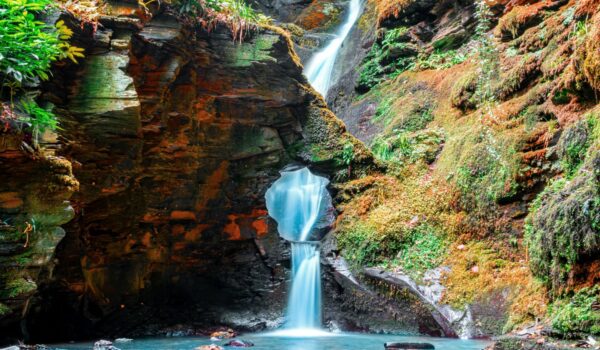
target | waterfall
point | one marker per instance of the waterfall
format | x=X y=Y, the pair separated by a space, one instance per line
x=298 y=201
x=320 y=67
x=304 y=308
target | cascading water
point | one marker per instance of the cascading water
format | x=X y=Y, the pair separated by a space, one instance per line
x=304 y=308
x=320 y=67
x=298 y=201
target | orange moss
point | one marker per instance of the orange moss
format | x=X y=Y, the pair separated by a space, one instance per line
x=510 y=4
x=514 y=22
x=390 y=8
x=183 y=215
x=177 y=230
x=288 y=39
x=212 y=185
x=154 y=216
x=10 y=200
x=391 y=205
x=312 y=16
x=193 y=234
x=477 y=270
x=591 y=55
x=232 y=229
x=587 y=7
x=246 y=226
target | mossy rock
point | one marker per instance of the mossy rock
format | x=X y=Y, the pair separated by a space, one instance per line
x=463 y=92
x=563 y=227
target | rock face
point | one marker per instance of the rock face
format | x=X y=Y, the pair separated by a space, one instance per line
x=177 y=133
x=34 y=194
x=417 y=70
x=363 y=303
x=430 y=26
x=342 y=95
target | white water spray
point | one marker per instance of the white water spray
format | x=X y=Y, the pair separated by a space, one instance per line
x=320 y=67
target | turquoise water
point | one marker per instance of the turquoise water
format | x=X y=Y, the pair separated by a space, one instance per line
x=346 y=341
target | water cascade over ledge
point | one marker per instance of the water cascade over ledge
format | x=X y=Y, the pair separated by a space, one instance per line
x=300 y=204
x=320 y=66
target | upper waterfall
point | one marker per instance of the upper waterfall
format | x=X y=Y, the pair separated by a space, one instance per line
x=320 y=67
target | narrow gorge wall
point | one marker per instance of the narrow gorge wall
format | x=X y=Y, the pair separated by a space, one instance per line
x=175 y=133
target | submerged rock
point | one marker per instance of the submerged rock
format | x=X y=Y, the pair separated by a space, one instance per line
x=209 y=347
x=238 y=343
x=228 y=334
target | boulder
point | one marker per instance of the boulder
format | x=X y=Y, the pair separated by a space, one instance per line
x=228 y=334
x=238 y=343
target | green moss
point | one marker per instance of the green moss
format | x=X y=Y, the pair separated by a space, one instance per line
x=486 y=176
x=561 y=97
x=445 y=43
x=563 y=227
x=518 y=76
x=401 y=110
x=577 y=314
x=575 y=142
x=424 y=249
x=393 y=36
x=382 y=149
x=347 y=154
x=380 y=63
x=408 y=147
x=18 y=286
x=4 y=310
x=246 y=53
x=462 y=95
x=440 y=59
x=362 y=245
x=328 y=144
x=416 y=249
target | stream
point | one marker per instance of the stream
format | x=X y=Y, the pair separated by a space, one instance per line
x=341 y=341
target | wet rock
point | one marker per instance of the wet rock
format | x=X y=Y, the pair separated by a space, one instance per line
x=123 y=340
x=104 y=345
x=402 y=50
x=34 y=193
x=351 y=302
x=238 y=343
x=209 y=347
x=178 y=135
x=228 y=334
